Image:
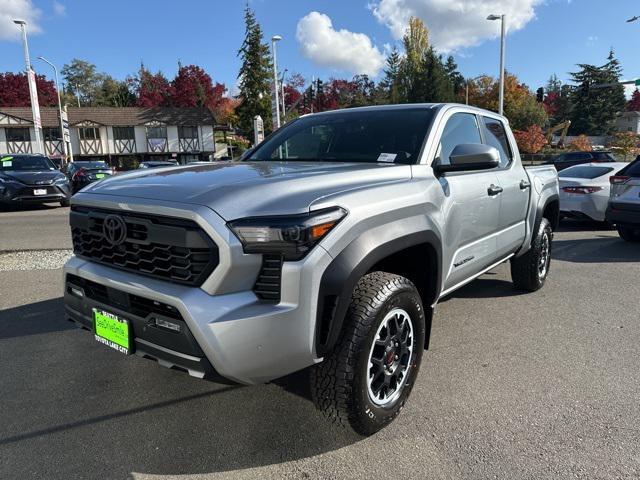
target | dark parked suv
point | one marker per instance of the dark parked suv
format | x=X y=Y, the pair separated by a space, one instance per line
x=570 y=159
x=82 y=173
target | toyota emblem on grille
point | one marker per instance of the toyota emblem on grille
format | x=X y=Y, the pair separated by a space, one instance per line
x=114 y=229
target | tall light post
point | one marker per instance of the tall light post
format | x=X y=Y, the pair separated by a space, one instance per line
x=284 y=112
x=66 y=152
x=502 y=47
x=276 y=116
x=33 y=93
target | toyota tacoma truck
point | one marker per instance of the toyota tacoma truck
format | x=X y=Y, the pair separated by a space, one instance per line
x=328 y=245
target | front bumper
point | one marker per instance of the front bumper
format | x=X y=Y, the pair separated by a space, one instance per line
x=244 y=339
x=25 y=194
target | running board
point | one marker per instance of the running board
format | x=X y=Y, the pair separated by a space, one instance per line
x=472 y=278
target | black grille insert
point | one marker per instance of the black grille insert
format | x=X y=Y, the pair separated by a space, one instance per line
x=267 y=286
x=167 y=248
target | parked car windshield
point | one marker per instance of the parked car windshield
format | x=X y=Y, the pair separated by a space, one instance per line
x=633 y=170
x=25 y=162
x=389 y=136
x=584 y=172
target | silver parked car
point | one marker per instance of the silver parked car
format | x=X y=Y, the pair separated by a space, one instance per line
x=327 y=246
x=584 y=190
x=624 y=202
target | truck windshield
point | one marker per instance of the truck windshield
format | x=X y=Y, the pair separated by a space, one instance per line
x=388 y=135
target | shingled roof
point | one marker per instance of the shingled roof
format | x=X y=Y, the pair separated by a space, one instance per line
x=117 y=116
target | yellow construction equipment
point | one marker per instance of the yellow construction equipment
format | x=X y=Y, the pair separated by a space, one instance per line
x=564 y=126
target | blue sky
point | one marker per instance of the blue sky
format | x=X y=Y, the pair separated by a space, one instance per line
x=547 y=36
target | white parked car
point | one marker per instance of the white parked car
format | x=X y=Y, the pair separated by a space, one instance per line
x=584 y=190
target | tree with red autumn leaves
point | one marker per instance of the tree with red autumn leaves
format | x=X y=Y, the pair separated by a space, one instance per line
x=193 y=87
x=14 y=90
x=152 y=89
x=530 y=140
x=633 y=105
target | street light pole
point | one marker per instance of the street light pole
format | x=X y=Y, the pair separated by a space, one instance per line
x=502 y=51
x=284 y=113
x=276 y=123
x=33 y=93
x=65 y=152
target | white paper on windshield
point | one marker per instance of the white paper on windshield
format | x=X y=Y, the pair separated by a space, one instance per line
x=7 y=163
x=387 y=157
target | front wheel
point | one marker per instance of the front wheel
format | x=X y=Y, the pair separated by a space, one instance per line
x=629 y=234
x=366 y=380
x=529 y=271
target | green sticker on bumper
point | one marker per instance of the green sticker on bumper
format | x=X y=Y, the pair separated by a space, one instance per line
x=111 y=330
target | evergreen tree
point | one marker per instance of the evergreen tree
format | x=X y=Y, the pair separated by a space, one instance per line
x=595 y=109
x=254 y=77
x=389 y=85
x=457 y=79
x=436 y=84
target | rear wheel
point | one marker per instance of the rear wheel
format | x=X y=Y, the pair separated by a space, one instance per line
x=366 y=380
x=629 y=234
x=529 y=271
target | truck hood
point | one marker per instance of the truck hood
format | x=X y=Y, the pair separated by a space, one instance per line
x=244 y=189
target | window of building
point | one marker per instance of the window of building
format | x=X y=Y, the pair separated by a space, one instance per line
x=188 y=132
x=124 y=133
x=157 y=132
x=89 y=133
x=51 y=134
x=18 y=135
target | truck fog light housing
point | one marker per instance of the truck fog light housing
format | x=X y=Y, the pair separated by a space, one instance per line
x=291 y=236
x=76 y=291
x=174 y=327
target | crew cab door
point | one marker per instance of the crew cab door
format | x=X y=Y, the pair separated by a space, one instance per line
x=516 y=189
x=470 y=205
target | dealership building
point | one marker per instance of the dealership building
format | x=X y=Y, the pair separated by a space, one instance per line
x=117 y=135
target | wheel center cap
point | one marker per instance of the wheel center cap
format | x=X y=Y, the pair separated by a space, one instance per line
x=390 y=357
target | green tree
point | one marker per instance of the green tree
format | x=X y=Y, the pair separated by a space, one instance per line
x=83 y=77
x=254 y=77
x=595 y=109
x=457 y=79
x=114 y=93
x=436 y=84
x=389 y=86
x=416 y=44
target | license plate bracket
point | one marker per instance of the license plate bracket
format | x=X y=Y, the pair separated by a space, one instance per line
x=112 y=330
x=39 y=191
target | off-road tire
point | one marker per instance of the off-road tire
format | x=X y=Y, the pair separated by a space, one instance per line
x=339 y=385
x=525 y=270
x=628 y=234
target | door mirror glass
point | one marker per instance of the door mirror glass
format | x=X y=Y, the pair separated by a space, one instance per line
x=470 y=156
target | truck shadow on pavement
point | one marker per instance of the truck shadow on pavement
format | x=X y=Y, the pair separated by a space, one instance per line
x=95 y=411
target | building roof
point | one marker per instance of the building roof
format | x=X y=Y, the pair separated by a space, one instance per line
x=117 y=116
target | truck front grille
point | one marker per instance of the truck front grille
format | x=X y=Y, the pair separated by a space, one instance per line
x=166 y=248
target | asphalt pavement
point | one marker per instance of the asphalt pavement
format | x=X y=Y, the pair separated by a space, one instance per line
x=515 y=386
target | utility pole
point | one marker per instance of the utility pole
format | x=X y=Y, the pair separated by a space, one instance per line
x=33 y=92
x=276 y=113
x=62 y=126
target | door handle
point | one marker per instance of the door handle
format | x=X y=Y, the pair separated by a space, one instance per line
x=524 y=184
x=494 y=190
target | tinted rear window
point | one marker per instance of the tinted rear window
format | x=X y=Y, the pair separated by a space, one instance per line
x=584 y=172
x=603 y=156
x=88 y=165
x=571 y=157
x=633 y=170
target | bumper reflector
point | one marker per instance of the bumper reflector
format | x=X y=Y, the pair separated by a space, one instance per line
x=174 y=327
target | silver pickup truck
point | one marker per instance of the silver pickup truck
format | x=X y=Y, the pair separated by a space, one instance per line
x=327 y=246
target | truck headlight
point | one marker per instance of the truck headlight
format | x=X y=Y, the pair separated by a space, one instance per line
x=293 y=236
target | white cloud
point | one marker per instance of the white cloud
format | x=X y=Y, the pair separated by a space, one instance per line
x=18 y=10
x=455 y=24
x=337 y=49
x=59 y=9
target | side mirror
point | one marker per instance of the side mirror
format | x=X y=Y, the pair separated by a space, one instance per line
x=471 y=156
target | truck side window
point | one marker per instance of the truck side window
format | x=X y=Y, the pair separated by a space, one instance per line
x=461 y=128
x=496 y=136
